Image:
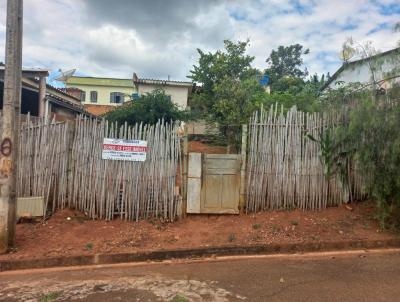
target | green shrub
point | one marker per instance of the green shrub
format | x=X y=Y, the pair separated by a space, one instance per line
x=148 y=109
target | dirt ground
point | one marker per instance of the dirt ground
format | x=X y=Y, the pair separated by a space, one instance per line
x=197 y=146
x=71 y=233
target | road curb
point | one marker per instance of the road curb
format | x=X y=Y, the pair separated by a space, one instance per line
x=159 y=255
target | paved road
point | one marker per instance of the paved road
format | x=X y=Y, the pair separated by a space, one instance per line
x=356 y=276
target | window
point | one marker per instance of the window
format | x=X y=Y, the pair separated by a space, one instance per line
x=93 y=96
x=83 y=96
x=116 y=97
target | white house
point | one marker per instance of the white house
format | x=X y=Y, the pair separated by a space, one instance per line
x=383 y=68
x=178 y=90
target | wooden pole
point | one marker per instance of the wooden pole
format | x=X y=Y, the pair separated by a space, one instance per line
x=42 y=97
x=242 y=200
x=10 y=133
x=185 y=171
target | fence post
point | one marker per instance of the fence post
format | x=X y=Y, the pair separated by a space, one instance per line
x=70 y=162
x=185 y=171
x=242 y=200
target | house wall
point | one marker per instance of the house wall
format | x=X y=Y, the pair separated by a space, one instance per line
x=61 y=114
x=29 y=101
x=360 y=72
x=179 y=94
x=103 y=87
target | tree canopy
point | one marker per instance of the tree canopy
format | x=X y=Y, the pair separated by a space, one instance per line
x=229 y=91
x=232 y=62
x=148 y=109
x=287 y=61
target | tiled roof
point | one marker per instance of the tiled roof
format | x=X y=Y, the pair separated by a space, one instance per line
x=99 y=110
x=162 y=82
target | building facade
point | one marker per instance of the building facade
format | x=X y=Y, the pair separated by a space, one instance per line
x=382 y=68
x=101 y=95
x=178 y=90
x=101 y=91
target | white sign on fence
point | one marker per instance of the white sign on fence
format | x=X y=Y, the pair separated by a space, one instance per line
x=123 y=149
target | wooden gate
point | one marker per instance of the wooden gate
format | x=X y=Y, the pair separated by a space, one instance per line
x=213 y=183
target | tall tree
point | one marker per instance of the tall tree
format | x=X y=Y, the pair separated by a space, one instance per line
x=287 y=61
x=232 y=62
x=212 y=68
x=228 y=86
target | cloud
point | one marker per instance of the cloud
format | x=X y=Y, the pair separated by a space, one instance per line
x=157 y=38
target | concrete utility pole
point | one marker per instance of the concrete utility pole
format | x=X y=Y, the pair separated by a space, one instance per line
x=11 y=124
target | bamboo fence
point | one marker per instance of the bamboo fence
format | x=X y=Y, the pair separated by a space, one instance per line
x=43 y=161
x=62 y=163
x=131 y=190
x=284 y=168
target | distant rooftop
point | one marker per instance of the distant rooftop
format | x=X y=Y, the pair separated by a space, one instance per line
x=346 y=65
x=105 y=81
x=29 y=72
x=138 y=80
x=98 y=81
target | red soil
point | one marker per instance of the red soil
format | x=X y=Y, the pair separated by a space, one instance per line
x=71 y=233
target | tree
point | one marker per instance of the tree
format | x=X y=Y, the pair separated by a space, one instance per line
x=287 y=61
x=229 y=90
x=148 y=109
x=212 y=68
x=235 y=102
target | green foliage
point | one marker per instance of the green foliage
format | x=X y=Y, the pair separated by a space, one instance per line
x=369 y=135
x=336 y=154
x=50 y=297
x=288 y=84
x=214 y=67
x=235 y=101
x=304 y=100
x=374 y=128
x=229 y=91
x=89 y=246
x=286 y=61
x=148 y=109
x=179 y=298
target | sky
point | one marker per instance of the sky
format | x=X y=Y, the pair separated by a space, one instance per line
x=159 y=38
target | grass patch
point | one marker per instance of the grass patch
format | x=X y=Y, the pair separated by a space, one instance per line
x=256 y=226
x=179 y=298
x=231 y=237
x=89 y=246
x=315 y=237
x=275 y=228
x=366 y=226
x=294 y=222
x=49 y=297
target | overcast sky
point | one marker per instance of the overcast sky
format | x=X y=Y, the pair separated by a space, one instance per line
x=157 y=38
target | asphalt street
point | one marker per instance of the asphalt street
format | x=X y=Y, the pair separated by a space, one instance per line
x=352 y=276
